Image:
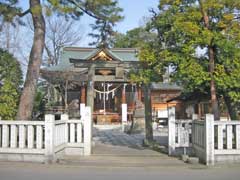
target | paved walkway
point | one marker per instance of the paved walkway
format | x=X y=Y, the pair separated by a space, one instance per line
x=113 y=135
x=109 y=140
x=113 y=148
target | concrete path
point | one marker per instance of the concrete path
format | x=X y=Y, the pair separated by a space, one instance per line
x=113 y=135
x=109 y=139
x=30 y=171
x=113 y=148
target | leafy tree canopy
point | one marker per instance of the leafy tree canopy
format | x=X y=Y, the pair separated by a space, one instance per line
x=144 y=40
x=10 y=82
x=200 y=39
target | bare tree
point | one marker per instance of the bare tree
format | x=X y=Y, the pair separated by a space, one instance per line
x=11 y=39
x=60 y=33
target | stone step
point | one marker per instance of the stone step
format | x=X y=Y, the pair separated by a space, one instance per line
x=136 y=151
x=121 y=161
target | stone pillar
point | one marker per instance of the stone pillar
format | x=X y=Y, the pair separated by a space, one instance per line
x=90 y=95
x=5 y=136
x=171 y=130
x=65 y=117
x=90 y=87
x=87 y=131
x=209 y=139
x=237 y=136
x=49 y=138
x=124 y=108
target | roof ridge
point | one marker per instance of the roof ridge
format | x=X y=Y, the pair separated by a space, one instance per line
x=72 y=48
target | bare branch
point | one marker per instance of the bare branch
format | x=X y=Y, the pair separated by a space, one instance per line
x=24 y=13
x=85 y=10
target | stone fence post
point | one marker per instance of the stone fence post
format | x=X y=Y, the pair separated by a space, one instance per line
x=65 y=117
x=195 y=117
x=171 y=130
x=209 y=139
x=49 y=138
x=87 y=131
x=82 y=110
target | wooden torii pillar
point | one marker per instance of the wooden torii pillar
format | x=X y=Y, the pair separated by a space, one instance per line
x=82 y=100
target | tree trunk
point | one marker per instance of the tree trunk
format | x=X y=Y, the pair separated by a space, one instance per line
x=35 y=60
x=214 y=101
x=148 y=113
x=232 y=108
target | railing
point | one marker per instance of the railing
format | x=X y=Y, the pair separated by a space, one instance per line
x=22 y=136
x=227 y=137
x=212 y=141
x=216 y=141
x=43 y=140
x=60 y=133
x=198 y=135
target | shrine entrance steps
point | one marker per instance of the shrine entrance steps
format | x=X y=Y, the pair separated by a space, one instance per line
x=113 y=148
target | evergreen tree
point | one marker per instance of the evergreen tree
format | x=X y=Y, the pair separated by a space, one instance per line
x=10 y=82
x=104 y=26
x=134 y=38
x=200 y=38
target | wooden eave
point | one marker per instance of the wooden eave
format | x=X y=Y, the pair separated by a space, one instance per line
x=79 y=63
x=62 y=76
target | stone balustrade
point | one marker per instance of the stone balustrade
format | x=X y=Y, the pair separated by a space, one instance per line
x=226 y=141
x=216 y=141
x=212 y=141
x=45 y=141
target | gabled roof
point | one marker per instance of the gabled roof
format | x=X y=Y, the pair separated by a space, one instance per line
x=165 y=86
x=83 y=54
x=103 y=52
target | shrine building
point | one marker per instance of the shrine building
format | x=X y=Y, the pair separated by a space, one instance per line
x=99 y=78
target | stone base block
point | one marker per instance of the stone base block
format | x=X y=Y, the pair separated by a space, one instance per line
x=227 y=158
x=22 y=158
x=138 y=125
x=74 y=151
x=193 y=160
x=184 y=157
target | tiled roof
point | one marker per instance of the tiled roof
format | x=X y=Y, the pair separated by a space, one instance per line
x=165 y=86
x=122 y=54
